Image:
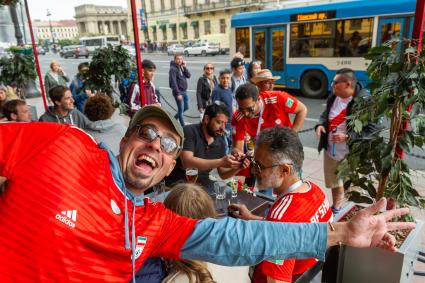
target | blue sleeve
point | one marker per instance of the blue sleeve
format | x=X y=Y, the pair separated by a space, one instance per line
x=215 y=95
x=186 y=72
x=80 y=96
x=236 y=242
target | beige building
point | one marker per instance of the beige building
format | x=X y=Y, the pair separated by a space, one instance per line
x=175 y=21
x=92 y=19
x=65 y=29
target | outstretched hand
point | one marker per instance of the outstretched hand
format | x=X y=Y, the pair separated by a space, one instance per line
x=369 y=228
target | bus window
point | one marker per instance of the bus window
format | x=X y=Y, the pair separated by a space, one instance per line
x=390 y=31
x=353 y=37
x=259 y=47
x=242 y=41
x=277 y=52
x=312 y=39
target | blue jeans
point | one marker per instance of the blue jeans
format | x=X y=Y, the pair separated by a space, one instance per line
x=182 y=106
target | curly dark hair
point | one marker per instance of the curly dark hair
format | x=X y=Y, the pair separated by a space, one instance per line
x=99 y=107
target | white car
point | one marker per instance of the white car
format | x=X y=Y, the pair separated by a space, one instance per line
x=203 y=49
x=175 y=49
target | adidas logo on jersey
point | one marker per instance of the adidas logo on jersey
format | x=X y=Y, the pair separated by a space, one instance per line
x=68 y=217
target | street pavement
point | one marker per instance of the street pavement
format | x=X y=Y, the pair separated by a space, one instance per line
x=313 y=164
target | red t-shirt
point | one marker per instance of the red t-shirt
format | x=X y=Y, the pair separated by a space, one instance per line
x=277 y=105
x=311 y=206
x=62 y=215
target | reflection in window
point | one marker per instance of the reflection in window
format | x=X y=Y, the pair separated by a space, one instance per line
x=346 y=38
x=354 y=37
x=390 y=31
x=277 y=50
x=259 y=47
x=242 y=41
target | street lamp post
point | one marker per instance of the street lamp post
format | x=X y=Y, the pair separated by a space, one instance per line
x=50 y=24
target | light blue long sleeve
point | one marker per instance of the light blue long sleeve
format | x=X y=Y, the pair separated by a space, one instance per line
x=235 y=242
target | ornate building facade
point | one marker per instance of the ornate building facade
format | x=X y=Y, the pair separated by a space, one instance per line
x=64 y=29
x=173 y=21
x=92 y=19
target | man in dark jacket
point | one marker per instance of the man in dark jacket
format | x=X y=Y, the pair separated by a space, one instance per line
x=333 y=132
x=178 y=76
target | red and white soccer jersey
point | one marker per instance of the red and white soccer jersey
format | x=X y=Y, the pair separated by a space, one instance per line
x=62 y=215
x=310 y=206
x=277 y=106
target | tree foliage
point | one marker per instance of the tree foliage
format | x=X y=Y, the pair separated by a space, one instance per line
x=108 y=63
x=397 y=81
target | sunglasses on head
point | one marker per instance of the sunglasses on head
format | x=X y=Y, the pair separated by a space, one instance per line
x=149 y=133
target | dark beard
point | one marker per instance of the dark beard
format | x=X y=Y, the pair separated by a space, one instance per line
x=211 y=132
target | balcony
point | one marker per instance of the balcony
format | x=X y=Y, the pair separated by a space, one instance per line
x=223 y=5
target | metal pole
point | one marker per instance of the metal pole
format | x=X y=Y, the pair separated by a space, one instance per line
x=138 y=54
x=51 y=28
x=37 y=63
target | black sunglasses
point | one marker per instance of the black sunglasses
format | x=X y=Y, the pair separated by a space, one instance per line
x=149 y=133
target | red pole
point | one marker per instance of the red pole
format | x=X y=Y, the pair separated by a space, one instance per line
x=418 y=27
x=37 y=64
x=138 y=54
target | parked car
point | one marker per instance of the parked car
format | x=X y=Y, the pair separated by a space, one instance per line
x=202 y=48
x=75 y=51
x=41 y=50
x=175 y=49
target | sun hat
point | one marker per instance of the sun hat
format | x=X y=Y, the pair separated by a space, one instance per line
x=264 y=75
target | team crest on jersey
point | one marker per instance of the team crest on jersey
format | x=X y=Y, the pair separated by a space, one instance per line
x=278 y=121
x=140 y=245
x=115 y=207
x=289 y=102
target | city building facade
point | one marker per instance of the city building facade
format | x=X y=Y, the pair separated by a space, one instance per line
x=57 y=30
x=181 y=21
x=95 y=20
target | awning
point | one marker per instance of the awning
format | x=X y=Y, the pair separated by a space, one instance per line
x=194 y=23
x=183 y=25
x=153 y=28
x=163 y=26
x=172 y=25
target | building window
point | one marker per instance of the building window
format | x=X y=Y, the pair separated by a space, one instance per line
x=207 y=27
x=173 y=4
x=174 y=32
x=164 y=34
x=184 y=30
x=222 y=25
x=155 y=37
x=152 y=6
x=162 y=5
x=242 y=41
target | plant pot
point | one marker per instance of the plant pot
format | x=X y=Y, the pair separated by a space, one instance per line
x=377 y=265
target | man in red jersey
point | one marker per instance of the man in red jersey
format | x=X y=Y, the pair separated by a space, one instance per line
x=277 y=164
x=258 y=111
x=73 y=212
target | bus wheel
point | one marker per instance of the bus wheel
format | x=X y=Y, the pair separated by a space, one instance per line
x=314 y=84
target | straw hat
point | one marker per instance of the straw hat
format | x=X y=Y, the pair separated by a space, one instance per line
x=264 y=75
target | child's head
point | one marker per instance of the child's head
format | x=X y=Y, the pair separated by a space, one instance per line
x=190 y=200
x=224 y=78
x=149 y=69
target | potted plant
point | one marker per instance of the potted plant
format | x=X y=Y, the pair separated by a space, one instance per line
x=20 y=68
x=108 y=65
x=375 y=167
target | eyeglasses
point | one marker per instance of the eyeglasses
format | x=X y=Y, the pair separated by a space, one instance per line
x=250 y=109
x=337 y=82
x=258 y=167
x=149 y=133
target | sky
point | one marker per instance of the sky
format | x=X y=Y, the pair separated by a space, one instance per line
x=64 y=9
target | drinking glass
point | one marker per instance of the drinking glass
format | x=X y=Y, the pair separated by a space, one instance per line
x=220 y=190
x=192 y=175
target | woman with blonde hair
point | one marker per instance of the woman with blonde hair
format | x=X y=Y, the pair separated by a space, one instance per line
x=192 y=201
x=56 y=76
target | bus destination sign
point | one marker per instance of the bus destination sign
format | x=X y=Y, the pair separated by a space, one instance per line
x=316 y=16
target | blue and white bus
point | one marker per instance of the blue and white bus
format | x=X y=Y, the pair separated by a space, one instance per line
x=94 y=42
x=306 y=45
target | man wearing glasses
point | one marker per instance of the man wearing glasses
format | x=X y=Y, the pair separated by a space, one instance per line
x=81 y=216
x=277 y=163
x=333 y=133
x=258 y=111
